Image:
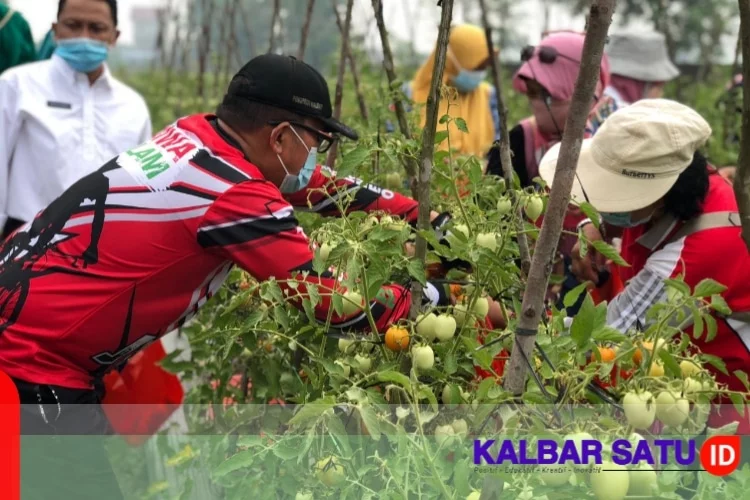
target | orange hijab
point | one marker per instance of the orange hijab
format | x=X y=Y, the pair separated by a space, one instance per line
x=468 y=47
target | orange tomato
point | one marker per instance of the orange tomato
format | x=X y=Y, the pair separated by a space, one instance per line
x=397 y=338
x=638 y=354
x=455 y=289
x=607 y=354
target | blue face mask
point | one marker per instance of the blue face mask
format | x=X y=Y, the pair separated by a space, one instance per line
x=467 y=81
x=293 y=183
x=623 y=219
x=82 y=54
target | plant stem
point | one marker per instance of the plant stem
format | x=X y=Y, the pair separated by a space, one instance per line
x=274 y=22
x=331 y=159
x=600 y=17
x=354 y=71
x=505 y=160
x=411 y=166
x=428 y=147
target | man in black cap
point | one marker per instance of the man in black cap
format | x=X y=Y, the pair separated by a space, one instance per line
x=133 y=250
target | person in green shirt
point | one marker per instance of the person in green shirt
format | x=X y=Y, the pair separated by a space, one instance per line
x=16 y=43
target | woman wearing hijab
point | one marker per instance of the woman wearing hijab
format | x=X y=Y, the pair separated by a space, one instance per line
x=473 y=100
x=548 y=77
x=640 y=66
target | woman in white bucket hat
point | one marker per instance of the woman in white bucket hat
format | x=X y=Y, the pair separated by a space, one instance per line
x=644 y=174
x=640 y=66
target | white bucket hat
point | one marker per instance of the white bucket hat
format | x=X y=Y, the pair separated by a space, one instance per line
x=635 y=156
x=640 y=55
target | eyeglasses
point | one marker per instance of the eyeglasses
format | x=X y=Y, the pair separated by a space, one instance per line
x=546 y=54
x=325 y=140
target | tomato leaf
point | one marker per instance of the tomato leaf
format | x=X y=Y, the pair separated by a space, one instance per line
x=739 y=402
x=444 y=119
x=370 y=420
x=287 y=448
x=697 y=324
x=719 y=305
x=484 y=387
x=354 y=159
x=572 y=296
x=416 y=270
x=716 y=363
x=461 y=478
x=609 y=252
x=237 y=461
x=310 y=412
x=708 y=287
x=461 y=125
x=670 y=364
x=449 y=364
x=711 y=327
x=608 y=334
x=426 y=392
x=583 y=323
x=396 y=378
x=743 y=378
x=440 y=136
x=678 y=285
x=590 y=212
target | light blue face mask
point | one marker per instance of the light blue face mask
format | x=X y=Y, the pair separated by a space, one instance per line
x=467 y=81
x=82 y=54
x=293 y=183
x=623 y=219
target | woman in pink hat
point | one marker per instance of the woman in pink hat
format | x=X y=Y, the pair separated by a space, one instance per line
x=548 y=77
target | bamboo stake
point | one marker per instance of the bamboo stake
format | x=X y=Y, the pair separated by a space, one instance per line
x=504 y=145
x=411 y=165
x=306 y=30
x=742 y=177
x=353 y=69
x=600 y=17
x=331 y=159
x=428 y=147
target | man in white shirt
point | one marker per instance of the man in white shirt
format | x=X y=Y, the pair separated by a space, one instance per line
x=63 y=118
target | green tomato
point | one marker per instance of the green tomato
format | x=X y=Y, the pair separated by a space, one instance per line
x=444 y=434
x=640 y=409
x=642 y=480
x=488 y=240
x=445 y=327
x=353 y=302
x=423 y=357
x=578 y=439
x=325 y=251
x=426 y=325
x=689 y=368
x=303 y=495
x=346 y=345
x=393 y=180
x=504 y=206
x=329 y=471
x=671 y=410
x=460 y=313
x=534 y=207
x=344 y=366
x=482 y=307
x=691 y=386
x=474 y=495
x=363 y=363
x=610 y=484
x=460 y=427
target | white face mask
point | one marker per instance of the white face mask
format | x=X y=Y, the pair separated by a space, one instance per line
x=294 y=183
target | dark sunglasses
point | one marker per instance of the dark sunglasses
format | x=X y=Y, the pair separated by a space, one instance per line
x=325 y=140
x=545 y=53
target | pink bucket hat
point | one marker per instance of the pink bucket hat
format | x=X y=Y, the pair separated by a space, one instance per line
x=559 y=76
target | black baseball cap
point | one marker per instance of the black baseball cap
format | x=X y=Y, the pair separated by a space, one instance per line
x=287 y=83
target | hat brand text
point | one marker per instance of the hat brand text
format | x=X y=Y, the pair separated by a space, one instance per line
x=638 y=175
x=307 y=102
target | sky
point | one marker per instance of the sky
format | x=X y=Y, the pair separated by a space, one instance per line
x=402 y=17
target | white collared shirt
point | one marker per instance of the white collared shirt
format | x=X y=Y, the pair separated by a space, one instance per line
x=56 y=128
